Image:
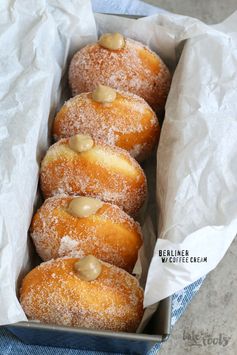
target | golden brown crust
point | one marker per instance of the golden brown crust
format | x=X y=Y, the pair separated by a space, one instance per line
x=105 y=172
x=53 y=293
x=109 y=234
x=134 y=69
x=128 y=122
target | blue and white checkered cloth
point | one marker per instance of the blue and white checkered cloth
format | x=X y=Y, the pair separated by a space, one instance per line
x=9 y=344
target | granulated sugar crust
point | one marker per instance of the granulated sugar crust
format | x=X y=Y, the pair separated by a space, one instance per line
x=127 y=122
x=52 y=293
x=135 y=69
x=105 y=172
x=110 y=234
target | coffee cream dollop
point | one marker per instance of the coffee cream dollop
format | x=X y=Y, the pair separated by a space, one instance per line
x=104 y=94
x=114 y=41
x=88 y=268
x=81 y=143
x=84 y=206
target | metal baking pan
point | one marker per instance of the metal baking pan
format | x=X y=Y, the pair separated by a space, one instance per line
x=156 y=331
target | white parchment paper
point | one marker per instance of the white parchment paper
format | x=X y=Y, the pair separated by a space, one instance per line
x=197 y=167
x=197 y=160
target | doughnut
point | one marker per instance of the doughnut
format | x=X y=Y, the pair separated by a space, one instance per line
x=78 y=226
x=126 y=120
x=128 y=66
x=85 y=293
x=82 y=166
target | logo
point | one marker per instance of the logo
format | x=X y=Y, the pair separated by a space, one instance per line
x=204 y=338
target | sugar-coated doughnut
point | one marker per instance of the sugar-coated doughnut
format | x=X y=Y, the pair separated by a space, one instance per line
x=108 y=232
x=127 y=121
x=101 y=171
x=56 y=293
x=134 y=68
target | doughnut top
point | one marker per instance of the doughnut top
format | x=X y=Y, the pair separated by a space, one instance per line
x=99 y=154
x=109 y=234
x=134 y=68
x=104 y=172
x=53 y=293
x=127 y=122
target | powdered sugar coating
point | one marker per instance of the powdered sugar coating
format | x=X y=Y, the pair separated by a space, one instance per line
x=52 y=293
x=127 y=122
x=135 y=69
x=104 y=172
x=110 y=234
x=67 y=247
